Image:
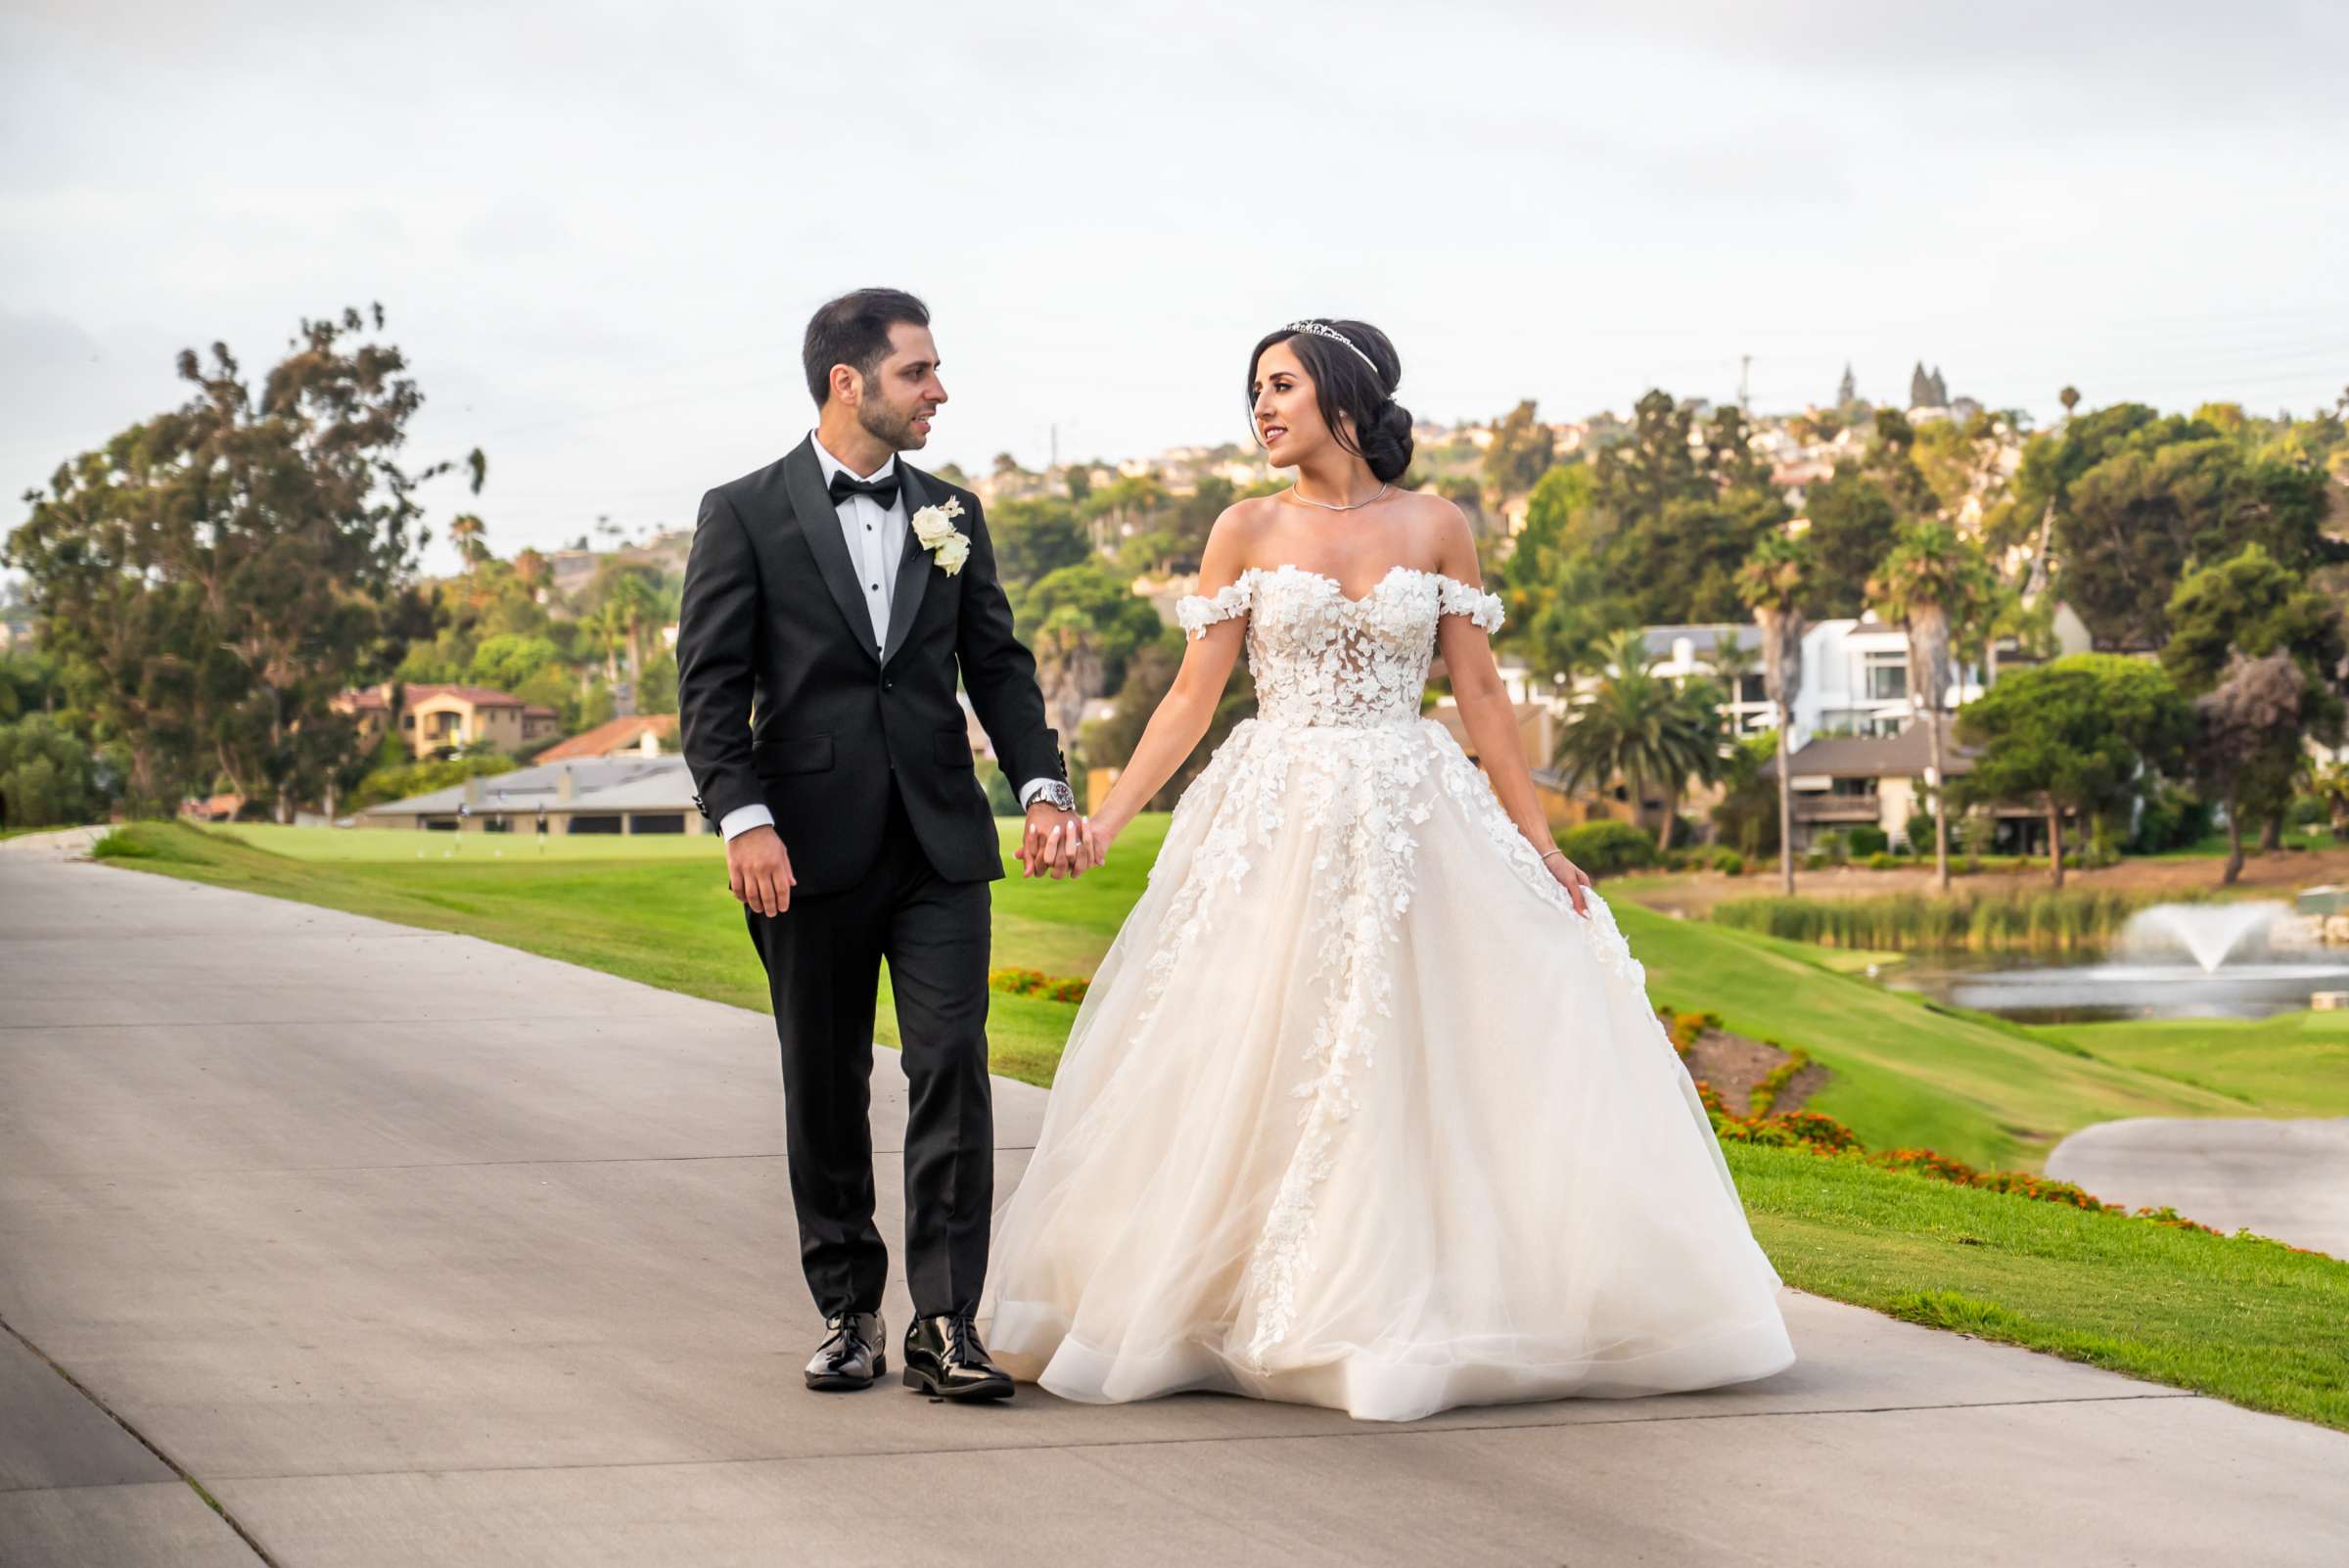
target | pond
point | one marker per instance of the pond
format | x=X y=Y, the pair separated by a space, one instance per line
x=2235 y=960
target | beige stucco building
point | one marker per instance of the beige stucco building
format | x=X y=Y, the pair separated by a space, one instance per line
x=438 y=720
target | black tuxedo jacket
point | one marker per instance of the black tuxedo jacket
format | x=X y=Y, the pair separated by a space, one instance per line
x=784 y=700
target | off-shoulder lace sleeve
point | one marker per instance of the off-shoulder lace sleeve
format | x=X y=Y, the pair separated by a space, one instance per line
x=1479 y=607
x=1195 y=612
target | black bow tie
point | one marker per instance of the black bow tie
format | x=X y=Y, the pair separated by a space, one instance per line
x=883 y=490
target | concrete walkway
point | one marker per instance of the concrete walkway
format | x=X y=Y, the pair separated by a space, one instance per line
x=414 y=1250
x=2284 y=1178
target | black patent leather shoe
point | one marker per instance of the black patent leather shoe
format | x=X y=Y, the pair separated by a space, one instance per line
x=851 y=1356
x=944 y=1360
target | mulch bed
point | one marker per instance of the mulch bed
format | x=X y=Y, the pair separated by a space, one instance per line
x=1733 y=1064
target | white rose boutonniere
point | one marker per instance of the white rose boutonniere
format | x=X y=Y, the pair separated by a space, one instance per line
x=935 y=530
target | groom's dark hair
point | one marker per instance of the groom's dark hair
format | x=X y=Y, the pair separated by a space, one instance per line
x=854 y=331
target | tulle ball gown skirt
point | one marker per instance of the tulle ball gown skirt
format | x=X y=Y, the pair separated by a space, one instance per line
x=1360 y=1113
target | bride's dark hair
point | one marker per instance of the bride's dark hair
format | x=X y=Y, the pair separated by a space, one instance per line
x=1343 y=385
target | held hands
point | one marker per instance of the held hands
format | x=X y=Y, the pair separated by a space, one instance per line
x=1059 y=844
x=759 y=870
x=1573 y=878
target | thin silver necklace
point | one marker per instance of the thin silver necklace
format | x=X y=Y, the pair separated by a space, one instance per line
x=1327 y=506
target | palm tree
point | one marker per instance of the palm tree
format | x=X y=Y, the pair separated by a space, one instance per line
x=636 y=602
x=1732 y=662
x=467 y=530
x=1638 y=726
x=1931 y=579
x=608 y=625
x=1773 y=582
x=1067 y=669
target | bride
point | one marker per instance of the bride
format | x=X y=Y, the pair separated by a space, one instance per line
x=1366 y=1106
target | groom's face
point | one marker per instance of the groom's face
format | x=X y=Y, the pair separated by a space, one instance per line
x=897 y=401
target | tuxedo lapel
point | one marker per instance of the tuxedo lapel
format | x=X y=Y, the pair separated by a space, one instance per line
x=916 y=568
x=819 y=525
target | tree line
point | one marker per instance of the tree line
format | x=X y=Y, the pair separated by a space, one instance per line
x=207 y=582
x=2199 y=543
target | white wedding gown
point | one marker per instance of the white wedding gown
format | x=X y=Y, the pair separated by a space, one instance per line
x=1358 y=1112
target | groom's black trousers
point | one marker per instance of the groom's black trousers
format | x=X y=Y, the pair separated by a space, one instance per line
x=823 y=960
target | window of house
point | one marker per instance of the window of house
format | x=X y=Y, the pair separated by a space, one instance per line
x=597 y=823
x=1886 y=677
x=658 y=822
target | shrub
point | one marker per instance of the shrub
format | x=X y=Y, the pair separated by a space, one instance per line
x=1605 y=848
x=1920 y=828
x=422 y=778
x=1017 y=982
x=1774 y=1082
x=1002 y=798
x=1865 y=840
x=1815 y=860
x=1883 y=860
x=120 y=845
x=47 y=774
x=1728 y=862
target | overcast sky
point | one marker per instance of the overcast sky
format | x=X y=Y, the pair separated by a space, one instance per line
x=598 y=229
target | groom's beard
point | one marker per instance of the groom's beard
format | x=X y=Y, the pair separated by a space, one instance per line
x=893 y=426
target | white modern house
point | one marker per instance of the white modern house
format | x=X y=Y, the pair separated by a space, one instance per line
x=1855 y=679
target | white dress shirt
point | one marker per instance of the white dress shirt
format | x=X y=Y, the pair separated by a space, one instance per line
x=875 y=535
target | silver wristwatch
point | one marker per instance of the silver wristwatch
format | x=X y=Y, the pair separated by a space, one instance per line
x=1059 y=794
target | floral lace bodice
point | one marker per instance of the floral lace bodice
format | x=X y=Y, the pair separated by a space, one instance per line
x=1322 y=658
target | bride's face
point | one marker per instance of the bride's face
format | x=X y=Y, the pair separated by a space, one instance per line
x=1288 y=408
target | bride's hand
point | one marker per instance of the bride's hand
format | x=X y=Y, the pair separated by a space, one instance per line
x=1573 y=878
x=1099 y=837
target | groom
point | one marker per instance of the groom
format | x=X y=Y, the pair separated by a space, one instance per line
x=831 y=599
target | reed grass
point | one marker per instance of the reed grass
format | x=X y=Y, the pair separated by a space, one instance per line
x=2046 y=920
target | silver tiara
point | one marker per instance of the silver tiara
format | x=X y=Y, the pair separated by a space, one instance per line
x=1323 y=328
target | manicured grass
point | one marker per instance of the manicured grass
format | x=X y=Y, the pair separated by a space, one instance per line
x=2252 y=1322
x=1906 y=1073
x=659 y=913
x=2293 y=1064
x=2213 y=846
x=412 y=844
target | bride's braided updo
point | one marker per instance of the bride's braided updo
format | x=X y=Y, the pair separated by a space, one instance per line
x=1355 y=371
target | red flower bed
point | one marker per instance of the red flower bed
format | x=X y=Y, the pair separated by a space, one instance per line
x=1035 y=983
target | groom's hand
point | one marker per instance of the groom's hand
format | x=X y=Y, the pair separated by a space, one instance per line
x=1051 y=844
x=759 y=870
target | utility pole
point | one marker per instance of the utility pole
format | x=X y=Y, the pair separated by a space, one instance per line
x=1745 y=400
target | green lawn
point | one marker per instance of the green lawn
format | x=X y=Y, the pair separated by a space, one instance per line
x=2243 y=1321
x=410 y=844
x=1905 y=1072
x=2213 y=846
x=2294 y=1064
